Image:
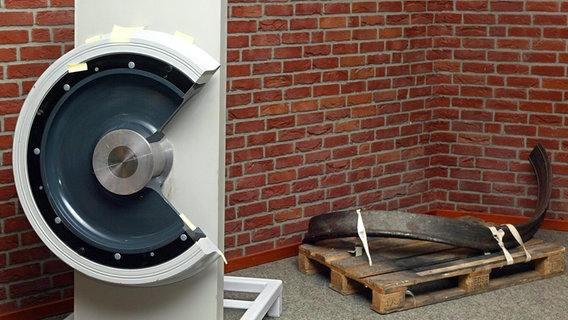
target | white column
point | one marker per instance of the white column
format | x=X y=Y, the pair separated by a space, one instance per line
x=195 y=185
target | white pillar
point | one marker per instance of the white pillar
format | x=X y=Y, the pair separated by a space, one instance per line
x=195 y=186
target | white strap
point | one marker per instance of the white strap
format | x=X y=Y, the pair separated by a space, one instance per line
x=363 y=235
x=517 y=236
x=498 y=235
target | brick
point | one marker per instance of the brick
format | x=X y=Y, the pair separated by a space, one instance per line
x=7 y=209
x=282 y=176
x=14 y=274
x=26 y=70
x=333 y=76
x=553 y=132
x=536 y=106
x=291 y=134
x=308 y=78
x=550 y=83
x=506 y=5
x=13 y=36
x=297 y=93
x=16 y=18
x=266 y=233
x=297 y=65
x=542 y=6
x=259 y=40
x=312 y=196
x=8 y=242
x=266 y=68
x=244 y=197
x=337 y=8
x=477 y=43
x=297 y=226
x=241 y=26
x=464 y=197
x=279 y=10
x=327 y=63
x=549 y=19
x=256 y=54
x=343 y=203
x=509 y=189
x=28 y=255
x=332 y=22
x=337 y=192
x=7 y=55
x=251 y=208
x=21 y=289
x=289 y=161
x=479 y=18
x=449 y=18
x=14 y=224
x=498 y=200
x=57 y=17
x=470 y=54
x=25 y=4
x=248 y=11
x=258 y=222
x=40 y=52
x=549 y=45
x=282 y=203
x=545 y=70
x=310 y=118
x=303 y=24
x=308 y=8
x=273 y=25
x=9 y=90
x=303 y=106
x=306 y=185
x=259 y=247
x=7 y=192
x=551 y=32
x=539 y=57
x=524 y=31
x=62 y=3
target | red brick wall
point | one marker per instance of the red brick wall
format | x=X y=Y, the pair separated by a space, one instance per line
x=32 y=34
x=327 y=110
x=502 y=88
x=411 y=105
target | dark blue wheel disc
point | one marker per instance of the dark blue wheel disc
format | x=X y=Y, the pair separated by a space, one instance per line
x=81 y=108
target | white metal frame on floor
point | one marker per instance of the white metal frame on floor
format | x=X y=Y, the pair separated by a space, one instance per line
x=268 y=302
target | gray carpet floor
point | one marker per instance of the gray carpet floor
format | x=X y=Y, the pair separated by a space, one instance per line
x=309 y=297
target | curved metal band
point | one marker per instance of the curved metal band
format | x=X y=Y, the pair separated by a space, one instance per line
x=457 y=232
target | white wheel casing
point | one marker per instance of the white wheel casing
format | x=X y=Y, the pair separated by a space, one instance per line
x=190 y=60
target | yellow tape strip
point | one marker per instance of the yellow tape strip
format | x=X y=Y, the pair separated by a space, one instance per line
x=122 y=34
x=193 y=227
x=77 y=67
x=187 y=222
x=184 y=36
x=222 y=256
x=94 y=38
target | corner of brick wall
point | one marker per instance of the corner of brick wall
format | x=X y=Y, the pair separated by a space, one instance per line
x=412 y=105
x=504 y=85
x=33 y=33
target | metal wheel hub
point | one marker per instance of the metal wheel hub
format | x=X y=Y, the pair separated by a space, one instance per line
x=124 y=162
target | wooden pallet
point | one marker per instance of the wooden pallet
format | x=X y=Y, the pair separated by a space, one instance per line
x=409 y=273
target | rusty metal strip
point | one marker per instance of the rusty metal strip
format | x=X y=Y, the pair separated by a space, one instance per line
x=458 y=232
